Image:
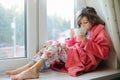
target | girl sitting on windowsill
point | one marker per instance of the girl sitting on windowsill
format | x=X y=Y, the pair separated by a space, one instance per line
x=80 y=53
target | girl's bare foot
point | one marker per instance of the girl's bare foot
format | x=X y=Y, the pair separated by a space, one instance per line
x=27 y=74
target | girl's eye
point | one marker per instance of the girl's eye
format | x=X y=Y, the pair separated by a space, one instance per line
x=85 y=22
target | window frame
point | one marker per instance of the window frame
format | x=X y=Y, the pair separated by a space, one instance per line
x=43 y=19
x=31 y=38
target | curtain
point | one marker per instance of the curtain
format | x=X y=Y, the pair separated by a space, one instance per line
x=117 y=11
x=111 y=10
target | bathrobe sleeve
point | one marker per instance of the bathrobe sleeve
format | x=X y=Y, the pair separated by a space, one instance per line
x=99 y=46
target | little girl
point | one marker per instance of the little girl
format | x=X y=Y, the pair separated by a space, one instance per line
x=79 y=53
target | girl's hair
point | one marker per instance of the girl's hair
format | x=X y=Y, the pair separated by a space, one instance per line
x=91 y=15
x=90 y=10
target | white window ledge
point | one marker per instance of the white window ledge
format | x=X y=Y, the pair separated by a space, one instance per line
x=100 y=74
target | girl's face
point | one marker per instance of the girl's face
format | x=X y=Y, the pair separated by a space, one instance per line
x=84 y=23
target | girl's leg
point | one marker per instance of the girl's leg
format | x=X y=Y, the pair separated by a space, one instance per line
x=23 y=68
x=33 y=71
x=19 y=70
x=30 y=73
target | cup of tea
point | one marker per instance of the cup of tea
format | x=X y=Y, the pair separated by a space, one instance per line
x=78 y=31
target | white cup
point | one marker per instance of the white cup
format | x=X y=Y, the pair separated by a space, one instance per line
x=78 y=31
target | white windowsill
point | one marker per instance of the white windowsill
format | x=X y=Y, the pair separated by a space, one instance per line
x=104 y=74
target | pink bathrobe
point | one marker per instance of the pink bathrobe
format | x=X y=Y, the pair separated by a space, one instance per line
x=85 y=57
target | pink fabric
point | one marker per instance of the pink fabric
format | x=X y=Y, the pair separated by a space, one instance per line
x=86 y=57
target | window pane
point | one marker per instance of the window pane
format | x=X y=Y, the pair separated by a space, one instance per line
x=60 y=17
x=12 y=28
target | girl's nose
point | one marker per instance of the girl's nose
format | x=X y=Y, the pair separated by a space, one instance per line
x=82 y=26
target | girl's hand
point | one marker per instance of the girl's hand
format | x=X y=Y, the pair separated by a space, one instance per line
x=82 y=37
x=71 y=33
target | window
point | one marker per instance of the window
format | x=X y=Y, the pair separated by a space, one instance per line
x=60 y=17
x=28 y=8
x=12 y=29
